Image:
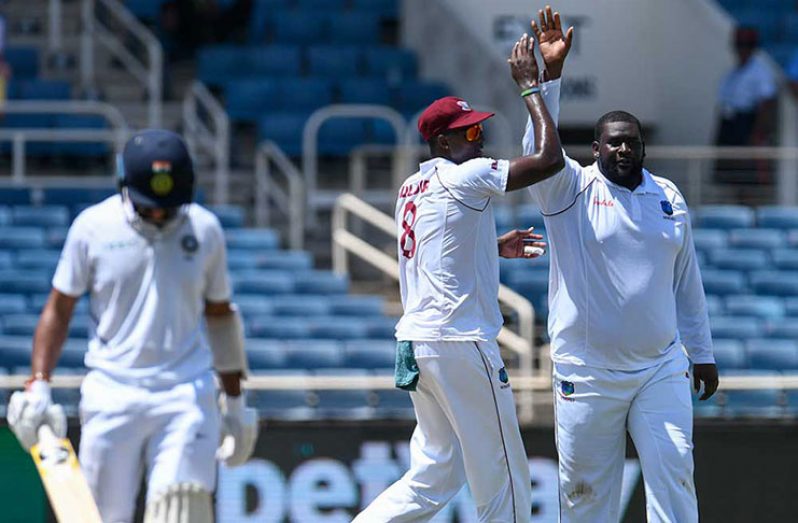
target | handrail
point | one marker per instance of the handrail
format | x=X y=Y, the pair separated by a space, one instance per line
x=311 y=131
x=345 y=242
x=198 y=134
x=55 y=32
x=149 y=75
x=290 y=203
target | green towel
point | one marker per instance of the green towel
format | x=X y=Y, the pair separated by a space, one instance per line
x=406 y=371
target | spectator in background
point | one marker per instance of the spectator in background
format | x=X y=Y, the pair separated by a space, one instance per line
x=747 y=105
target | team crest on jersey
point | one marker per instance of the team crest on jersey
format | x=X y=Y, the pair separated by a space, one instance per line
x=667 y=208
x=464 y=105
x=189 y=243
x=567 y=388
x=503 y=377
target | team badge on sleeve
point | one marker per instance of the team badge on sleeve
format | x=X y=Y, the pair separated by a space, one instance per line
x=667 y=208
x=567 y=388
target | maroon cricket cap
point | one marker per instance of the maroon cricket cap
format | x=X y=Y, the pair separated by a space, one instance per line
x=449 y=112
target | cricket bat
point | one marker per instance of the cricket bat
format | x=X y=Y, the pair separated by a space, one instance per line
x=63 y=480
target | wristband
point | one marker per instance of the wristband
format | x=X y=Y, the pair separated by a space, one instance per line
x=531 y=90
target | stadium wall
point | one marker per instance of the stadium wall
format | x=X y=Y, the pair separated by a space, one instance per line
x=659 y=60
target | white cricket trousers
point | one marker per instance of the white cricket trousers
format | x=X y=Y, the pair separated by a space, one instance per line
x=126 y=431
x=467 y=430
x=594 y=409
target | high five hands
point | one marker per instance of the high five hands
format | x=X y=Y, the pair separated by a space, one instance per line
x=553 y=43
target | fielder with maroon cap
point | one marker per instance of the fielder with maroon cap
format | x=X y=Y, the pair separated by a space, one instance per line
x=447 y=354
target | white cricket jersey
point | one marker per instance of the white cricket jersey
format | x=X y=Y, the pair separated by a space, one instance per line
x=147 y=292
x=448 y=251
x=624 y=285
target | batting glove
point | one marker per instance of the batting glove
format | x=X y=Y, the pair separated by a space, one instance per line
x=32 y=408
x=239 y=430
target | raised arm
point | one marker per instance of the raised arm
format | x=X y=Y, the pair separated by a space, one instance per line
x=547 y=158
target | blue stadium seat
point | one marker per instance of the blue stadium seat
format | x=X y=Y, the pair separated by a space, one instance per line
x=321 y=282
x=786 y=328
x=278 y=327
x=361 y=306
x=338 y=136
x=757 y=238
x=253 y=305
x=383 y=327
x=415 y=95
x=710 y=408
x=288 y=260
x=273 y=60
x=792 y=238
x=73 y=353
x=334 y=60
x=766 y=403
x=22 y=238
x=532 y=284
x=381 y=132
x=284 y=129
x=765 y=20
x=263 y=282
x=392 y=403
x=36 y=148
x=775 y=283
x=394 y=64
x=384 y=8
x=147 y=10
x=24 y=61
x=260 y=14
x=370 y=354
x=314 y=354
x=46 y=259
x=772 y=354
x=25 y=282
x=230 y=216
x=305 y=94
x=343 y=404
x=306 y=306
x=706 y=240
x=81 y=149
x=247 y=99
x=43 y=216
x=36 y=304
x=740 y=259
x=44 y=90
x=729 y=354
x=299 y=27
x=736 y=327
x=359 y=27
x=6 y=260
x=218 y=64
x=240 y=259
x=715 y=306
x=13 y=303
x=289 y=404
x=338 y=328
x=364 y=91
x=19 y=324
x=14 y=351
x=785 y=259
x=777 y=217
x=265 y=354
x=723 y=282
x=263 y=239
x=725 y=217
x=74 y=196
x=54 y=237
x=764 y=307
x=329 y=5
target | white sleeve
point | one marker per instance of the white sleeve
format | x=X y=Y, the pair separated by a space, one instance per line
x=72 y=272
x=217 y=282
x=691 y=305
x=474 y=181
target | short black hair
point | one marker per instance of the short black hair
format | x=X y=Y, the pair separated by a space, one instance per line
x=612 y=117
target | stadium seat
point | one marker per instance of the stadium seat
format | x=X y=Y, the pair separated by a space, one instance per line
x=338 y=136
x=36 y=304
x=359 y=27
x=287 y=260
x=414 y=95
x=361 y=306
x=74 y=353
x=22 y=238
x=786 y=328
x=305 y=94
x=777 y=217
x=767 y=402
x=289 y=404
x=263 y=282
x=44 y=90
x=715 y=306
x=278 y=327
x=25 y=282
x=43 y=216
x=393 y=64
x=785 y=259
x=74 y=196
x=370 y=354
x=791 y=306
x=14 y=195
x=15 y=351
x=265 y=354
x=19 y=324
x=314 y=354
x=338 y=328
x=330 y=5
x=739 y=259
x=725 y=217
x=307 y=306
x=218 y=64
x=772 y=354
x=253 y=239
x=383 y=327
x=710 y=408
x=299 y=27
x=13 y=304
x=230 y=216
x=706 y=240
x=321 y=282
x=147 y=10
x=247 y=99
x=81 y=149
x=764 y=307
x=729 y=354
x=343 y=404
x=253 y=305
x=757 y=238
x=384 y=8
x=6 y=260
x=334 y=60
x=723 y=282
x=46 y=259
x=54 y=237
x=24 y=61
x=775 y=283
x=273 y=60
x=261 y=12
x=736 y=327
x=364 y=91
x=284 y=129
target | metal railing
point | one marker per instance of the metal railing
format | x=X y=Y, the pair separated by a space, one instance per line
x=200 y=137
x=149 y=74
x=290 y=201
x=344 y=243
x=116 y=135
